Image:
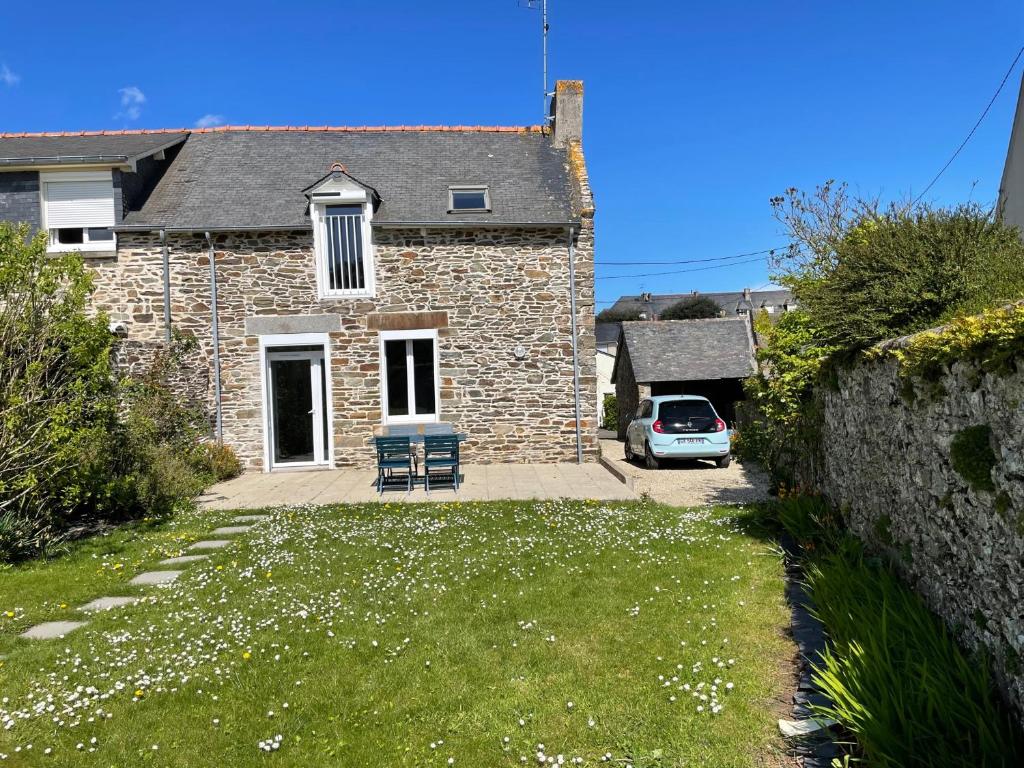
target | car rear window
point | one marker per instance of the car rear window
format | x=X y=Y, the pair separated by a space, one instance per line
x=687 y=416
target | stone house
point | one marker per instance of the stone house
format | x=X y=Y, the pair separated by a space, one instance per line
x=683 y=357
x=342 y=280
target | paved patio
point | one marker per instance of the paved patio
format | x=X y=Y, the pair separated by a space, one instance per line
x=482 y=482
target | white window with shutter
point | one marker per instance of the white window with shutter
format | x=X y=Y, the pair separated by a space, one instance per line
x=78 y=210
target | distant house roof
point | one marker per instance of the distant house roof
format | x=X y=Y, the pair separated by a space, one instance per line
x=97 y=147
x=688 y=350
x=731 y=302
x=249 y=178
x=606 y=333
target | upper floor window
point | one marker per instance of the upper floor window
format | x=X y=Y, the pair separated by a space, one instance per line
x=469 y=199
x=78 y=210
x=343 y=248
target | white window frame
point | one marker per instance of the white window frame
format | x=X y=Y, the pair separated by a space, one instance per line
x=273 y=343
x=318 y=208
x=52 y=246
x=469 y=188
x=410 y=383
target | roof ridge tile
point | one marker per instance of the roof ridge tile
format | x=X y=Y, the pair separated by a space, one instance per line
x=282 y=128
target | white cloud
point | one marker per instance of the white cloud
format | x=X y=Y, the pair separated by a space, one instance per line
x=209 y=121
x=7 y=77
x=132 y=99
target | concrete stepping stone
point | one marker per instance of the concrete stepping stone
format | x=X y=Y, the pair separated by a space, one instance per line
x=50 y=630
x=106 y=603
x=183 y=559
x=249 y=518
x=229 y=530
x=155 y=577
x=211 y=544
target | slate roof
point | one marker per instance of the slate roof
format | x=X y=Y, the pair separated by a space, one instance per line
x=82 y=147
x=606 y=333
x=729 y=301
x=689 y=350
x=254 y=178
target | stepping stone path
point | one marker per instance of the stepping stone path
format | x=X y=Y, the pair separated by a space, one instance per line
x=106 y=603
x=211 y=544
x=183 y=559
x=230 y=530
x=50 y=630
x=156 y=577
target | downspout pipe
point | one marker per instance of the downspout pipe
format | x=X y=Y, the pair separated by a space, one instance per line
x=575 y=344
x=167 y=286
x=215 y=332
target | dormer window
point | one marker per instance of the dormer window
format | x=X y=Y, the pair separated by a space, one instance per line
x=469 y=200
x=341 y=211
x=78 y=211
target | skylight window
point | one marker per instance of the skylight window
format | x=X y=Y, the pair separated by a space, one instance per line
x=468 y=199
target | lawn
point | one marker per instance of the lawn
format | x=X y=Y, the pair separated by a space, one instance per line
x=470 y=634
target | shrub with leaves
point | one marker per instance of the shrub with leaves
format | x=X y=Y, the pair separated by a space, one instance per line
x=692 y=308
x=614 y=315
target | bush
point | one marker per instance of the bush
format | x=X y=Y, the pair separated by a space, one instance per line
x=692 y=308
x=78 y=449
x=898 y=680
x=865 y=273
x=810 y=520
x=973 y=458
x=613 y=315
x=611 y=413
x=222 y=460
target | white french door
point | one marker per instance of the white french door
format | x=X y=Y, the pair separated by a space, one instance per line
x=297 y=415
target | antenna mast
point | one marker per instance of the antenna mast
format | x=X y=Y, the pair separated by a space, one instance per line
x=544 y=32
x=542 y=6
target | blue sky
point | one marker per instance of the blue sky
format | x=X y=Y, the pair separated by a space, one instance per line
x=695 y=113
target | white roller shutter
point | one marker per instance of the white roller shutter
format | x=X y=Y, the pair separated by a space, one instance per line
x=79 y=203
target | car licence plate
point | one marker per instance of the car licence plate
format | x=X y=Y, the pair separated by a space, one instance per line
x=690 y=440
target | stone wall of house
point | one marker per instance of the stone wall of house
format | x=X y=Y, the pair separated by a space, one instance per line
x=885 y=461
x=495 y=288
x=187 y=371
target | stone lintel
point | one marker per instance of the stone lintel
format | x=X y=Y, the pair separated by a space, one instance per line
x=406 y=321
x=269 y=324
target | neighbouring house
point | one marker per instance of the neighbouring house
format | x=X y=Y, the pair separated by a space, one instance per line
x=606 y=337
x=340 y=280
x=709 y=357
x=775 y=302
x=1010 y=206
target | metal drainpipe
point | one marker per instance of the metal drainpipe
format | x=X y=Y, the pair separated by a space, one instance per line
x=216 y=340
x=575 y=345
x=167 y=287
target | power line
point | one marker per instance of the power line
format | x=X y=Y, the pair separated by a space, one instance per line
x=975 y=128
x=689 y=261
x=677 y=271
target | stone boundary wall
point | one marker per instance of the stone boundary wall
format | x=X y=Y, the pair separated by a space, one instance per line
x=884 y=459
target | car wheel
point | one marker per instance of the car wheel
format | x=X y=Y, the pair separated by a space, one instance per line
x=630 y=456
x=650 y=459
x=723 y=461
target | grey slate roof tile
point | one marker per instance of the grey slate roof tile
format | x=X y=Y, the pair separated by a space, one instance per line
x=37 y=149
x=729 y=301
x=690 y=350
x=253 y=178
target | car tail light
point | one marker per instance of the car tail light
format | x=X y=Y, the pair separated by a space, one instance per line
x=719 y=425
x=658 y=427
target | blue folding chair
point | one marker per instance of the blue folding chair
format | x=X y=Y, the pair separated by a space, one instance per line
x=394 y=455
x=441 y=452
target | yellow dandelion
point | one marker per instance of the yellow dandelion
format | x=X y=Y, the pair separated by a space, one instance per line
x=246 y=655
x=139 y=692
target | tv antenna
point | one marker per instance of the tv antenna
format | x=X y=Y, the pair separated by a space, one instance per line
x=542 y=6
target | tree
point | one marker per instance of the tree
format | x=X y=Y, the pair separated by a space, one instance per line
x=692 y=308
x=865 y=273
x=613 y=315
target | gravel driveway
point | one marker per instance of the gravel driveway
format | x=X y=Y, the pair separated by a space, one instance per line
x=690 y=483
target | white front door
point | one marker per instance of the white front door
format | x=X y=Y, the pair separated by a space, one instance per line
x=296 y=399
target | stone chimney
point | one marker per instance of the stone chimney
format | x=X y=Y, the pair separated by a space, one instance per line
x=746 y=294
x=567 y=112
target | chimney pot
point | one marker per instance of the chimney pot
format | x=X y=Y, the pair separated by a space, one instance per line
x=567 y=112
